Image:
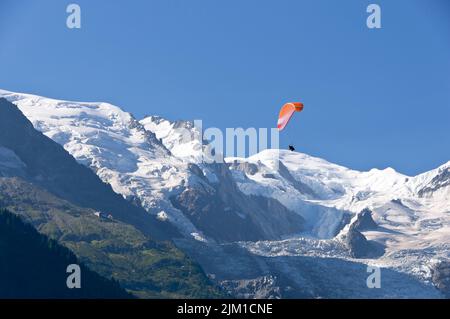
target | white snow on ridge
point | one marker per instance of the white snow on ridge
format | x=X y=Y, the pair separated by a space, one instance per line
x=181 y=138
x=334 y=185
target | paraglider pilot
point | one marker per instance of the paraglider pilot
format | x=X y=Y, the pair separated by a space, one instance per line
x=286 y=112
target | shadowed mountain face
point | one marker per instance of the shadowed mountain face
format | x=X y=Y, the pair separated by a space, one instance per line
x=33 y=266
x=47 y=164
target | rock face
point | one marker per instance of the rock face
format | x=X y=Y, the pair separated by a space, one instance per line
x=224 y=213
x=247 y=168
x=364 y=221
x=357 y=243
x=441 y=277
x=359 y=246
x=439 y=181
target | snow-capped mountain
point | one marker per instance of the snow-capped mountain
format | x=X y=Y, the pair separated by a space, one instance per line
x=408 y=217
x=156 y=171
x=399 y=202
x=182 y=138
x=272 y=210
x=116 y=146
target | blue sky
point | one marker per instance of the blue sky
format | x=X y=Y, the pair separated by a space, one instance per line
x=373 y=98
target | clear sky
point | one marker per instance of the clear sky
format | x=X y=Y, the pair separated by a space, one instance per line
x=373 y=98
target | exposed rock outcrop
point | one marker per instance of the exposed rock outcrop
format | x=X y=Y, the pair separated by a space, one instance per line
x=357 y=243
x=439 y=181
x=247 y=168
x=364 y=221
x=224 y=213
x=441 y=276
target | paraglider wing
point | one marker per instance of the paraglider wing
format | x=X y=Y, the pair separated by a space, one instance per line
x=286 y=113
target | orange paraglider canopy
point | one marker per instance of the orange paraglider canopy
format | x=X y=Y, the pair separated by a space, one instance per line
x=286 y=113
